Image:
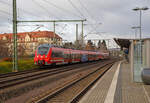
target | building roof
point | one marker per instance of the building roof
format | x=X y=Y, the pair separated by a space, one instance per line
x=123 y=43
x=36 y=34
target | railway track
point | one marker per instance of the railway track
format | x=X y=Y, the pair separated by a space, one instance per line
x=30 y=85
x=73 y=90
x=22 y=77
x=5 y=75
x=17 y=73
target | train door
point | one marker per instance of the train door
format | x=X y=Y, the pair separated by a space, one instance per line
x=57 y=56
x=66 y=56
x=70 y=56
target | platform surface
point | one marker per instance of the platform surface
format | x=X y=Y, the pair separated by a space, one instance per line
x=116 y=86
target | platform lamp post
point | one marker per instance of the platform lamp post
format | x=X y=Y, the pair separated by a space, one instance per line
x=140 y=9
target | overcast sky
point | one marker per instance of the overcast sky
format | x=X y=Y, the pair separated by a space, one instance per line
x=105 y=18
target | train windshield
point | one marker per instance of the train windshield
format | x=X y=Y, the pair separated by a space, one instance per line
x=43 y=50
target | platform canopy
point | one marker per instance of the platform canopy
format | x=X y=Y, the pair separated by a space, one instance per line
x=123 y=43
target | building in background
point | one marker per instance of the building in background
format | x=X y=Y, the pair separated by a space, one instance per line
x=28 y=41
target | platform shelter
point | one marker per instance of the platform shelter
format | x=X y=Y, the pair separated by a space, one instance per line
x=139 y=55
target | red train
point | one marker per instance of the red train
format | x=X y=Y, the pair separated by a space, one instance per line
x=47 y=54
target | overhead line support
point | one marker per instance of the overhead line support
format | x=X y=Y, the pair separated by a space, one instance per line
x=52 y=21
x=15 y=56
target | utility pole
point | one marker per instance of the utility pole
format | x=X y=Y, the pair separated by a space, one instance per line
x=136 y=27
x=15 y=58
x=82 y=40
x=54 y=32
x=77 y=40
x=135 y=33
x=51 y=21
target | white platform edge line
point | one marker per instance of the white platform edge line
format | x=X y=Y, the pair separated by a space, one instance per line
x=146 y=94
x=93 y=87
x=111 y=92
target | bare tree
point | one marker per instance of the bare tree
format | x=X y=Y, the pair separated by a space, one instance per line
x=21 y=50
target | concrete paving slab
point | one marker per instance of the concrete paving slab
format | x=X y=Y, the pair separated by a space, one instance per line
x=98 y=92
x=126 y=90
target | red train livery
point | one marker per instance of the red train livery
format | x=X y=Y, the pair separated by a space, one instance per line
x=47 y=54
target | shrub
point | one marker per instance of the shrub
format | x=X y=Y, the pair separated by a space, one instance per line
x=8 y=59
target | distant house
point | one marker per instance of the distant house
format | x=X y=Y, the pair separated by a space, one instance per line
x=28 y=41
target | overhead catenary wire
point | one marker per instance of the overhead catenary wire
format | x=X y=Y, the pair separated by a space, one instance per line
x=19 y=10
x=81 y=14
x=74 y=6
x=44 y=8
x=7 y=13
x=10 y=14
x=62 y=29
x=4 y=12
x=4 y=2
x=27 y=12
x=91 y=16
x=60 y=8
x=93 y=29
x=86 y=10
x=4 y=15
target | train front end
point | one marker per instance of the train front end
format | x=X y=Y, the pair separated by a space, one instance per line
x=42 y=55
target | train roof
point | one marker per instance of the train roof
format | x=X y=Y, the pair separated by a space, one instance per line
x=51 y=45
x=46 y=45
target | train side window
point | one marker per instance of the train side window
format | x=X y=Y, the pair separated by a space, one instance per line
x=78 y=56
x=66 y=56
x=74 y=56
x=57 y=54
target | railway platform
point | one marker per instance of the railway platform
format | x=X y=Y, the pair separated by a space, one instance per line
x=116 y=86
